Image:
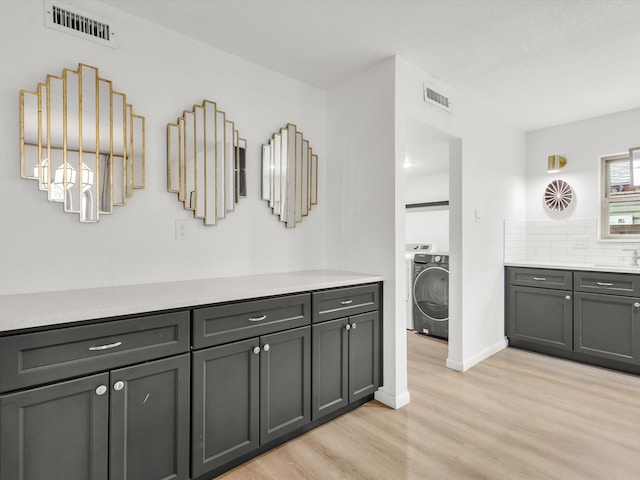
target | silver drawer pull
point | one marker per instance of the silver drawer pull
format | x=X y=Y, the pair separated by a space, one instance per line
x=540 y=279
x=105 y=347
x=346 y=302
x=258 y=319
x=603 y=284
x=636 y=305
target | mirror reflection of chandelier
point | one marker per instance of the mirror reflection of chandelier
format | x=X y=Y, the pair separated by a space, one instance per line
x=77 y=123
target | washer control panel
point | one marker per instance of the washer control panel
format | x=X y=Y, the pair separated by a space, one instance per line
x=424 y=258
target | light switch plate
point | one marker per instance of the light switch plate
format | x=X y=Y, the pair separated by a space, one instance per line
x=182 y=231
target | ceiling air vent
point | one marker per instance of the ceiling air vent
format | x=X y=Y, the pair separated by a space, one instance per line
x=71 y=20
x=437 y=99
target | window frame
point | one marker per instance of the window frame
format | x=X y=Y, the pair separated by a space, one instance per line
x=606 y=200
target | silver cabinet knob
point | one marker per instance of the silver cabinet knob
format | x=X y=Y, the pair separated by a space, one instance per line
x=101 y=390
x=256 y=350
x=119 y=385
x=637 y=305
x=266 y=347
x=347 y=327
x=353 y=325
x=568 y=297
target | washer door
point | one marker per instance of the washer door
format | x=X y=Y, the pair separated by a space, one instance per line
x=431 y=293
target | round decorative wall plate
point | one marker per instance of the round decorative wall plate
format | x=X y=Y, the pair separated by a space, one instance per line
x=558 y=195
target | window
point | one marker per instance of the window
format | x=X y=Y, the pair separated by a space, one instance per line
x=620 y=196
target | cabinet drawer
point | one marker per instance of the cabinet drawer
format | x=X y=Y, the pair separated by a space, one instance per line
x=536 y=277
x=614 y=283
x=237 y=321
x=343 y=302
x=42 y=357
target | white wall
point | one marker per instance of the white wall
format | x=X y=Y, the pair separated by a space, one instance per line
x=433 y=187
x=162 y=73
x=428 y=224
x=365 y=231
x=487 y=175
x=581 y=143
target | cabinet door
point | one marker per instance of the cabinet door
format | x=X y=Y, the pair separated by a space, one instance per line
x=330 y=367
x=285 y=382
x=607 y=326
x=56 y=432
x=364 y=355
x=225 y=404
x=149 y=423
x=542 y=316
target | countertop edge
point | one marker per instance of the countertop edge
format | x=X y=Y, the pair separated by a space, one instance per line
x=43 y=309
x=585 y=267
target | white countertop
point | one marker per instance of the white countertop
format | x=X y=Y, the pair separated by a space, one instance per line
x=31 y=310
x=595 y=267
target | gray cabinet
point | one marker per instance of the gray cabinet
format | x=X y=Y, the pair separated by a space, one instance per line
x=285 y=382
x=364 y=355
x=540 y=307
x=330 y=367
x=594 y=318
x=249 y=392
x=607 y=315
x=142 y=398
x=116 y=421
x=346 y=355
x=540 y=315
x=96 y=428
x=149 y=421
x=225 y=405
x=56 y=432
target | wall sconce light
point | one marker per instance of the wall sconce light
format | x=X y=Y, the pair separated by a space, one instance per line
x=555 y=163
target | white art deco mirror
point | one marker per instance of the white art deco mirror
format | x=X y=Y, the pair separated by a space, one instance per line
x=81 y=141
x=289 y=175
x=206 y=162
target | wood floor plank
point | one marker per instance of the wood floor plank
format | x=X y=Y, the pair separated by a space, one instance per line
x=517 y=415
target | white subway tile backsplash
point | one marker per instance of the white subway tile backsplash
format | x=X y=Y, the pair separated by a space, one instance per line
x=552 y=240
x=590 y=222
x=568 y=258
x=548 y=223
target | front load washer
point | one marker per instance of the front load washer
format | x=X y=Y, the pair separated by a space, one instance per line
x=431 y=294
x=410 y=250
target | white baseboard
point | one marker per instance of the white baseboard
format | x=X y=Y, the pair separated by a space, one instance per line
x=478 y=357
x=393 y=401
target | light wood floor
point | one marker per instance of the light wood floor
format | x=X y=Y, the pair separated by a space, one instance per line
x=517 y=415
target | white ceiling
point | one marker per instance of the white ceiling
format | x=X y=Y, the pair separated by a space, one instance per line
x=536 y=63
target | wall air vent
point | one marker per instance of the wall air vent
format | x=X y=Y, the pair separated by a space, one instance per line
x=71 y=20
x=435 y=98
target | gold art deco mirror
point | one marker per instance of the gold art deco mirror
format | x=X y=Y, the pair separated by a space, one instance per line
x=206 y=162
x=289 y=175
x=81 y=141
